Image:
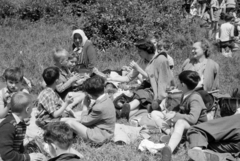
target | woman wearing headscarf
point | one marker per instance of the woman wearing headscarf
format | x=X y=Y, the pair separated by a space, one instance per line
x=84 y=51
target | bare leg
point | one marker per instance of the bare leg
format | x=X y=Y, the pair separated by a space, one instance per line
x=176 y=137
x=158 y=118
x=134 y=104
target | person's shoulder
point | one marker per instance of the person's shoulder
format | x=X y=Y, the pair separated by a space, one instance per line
x=47 y=92
x=210 y=61
x=8 y=123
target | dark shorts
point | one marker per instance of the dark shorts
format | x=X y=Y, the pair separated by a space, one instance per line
x=225 y=44
x=202 y=1
x=145 y=96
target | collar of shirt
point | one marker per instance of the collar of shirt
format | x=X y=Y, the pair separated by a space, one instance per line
x=186 y=95
x=18 y=120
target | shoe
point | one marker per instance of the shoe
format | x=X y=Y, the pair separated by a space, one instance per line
x=200 y=155
x=125 y=111
x=166 y=153
x=164 y=138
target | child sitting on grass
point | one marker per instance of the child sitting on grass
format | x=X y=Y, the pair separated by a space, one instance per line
x=66 y=78
x=13 y=129
x=191 y=111
x=97 y=123
x=13 y=78
x=50 y=103
x=60 y=137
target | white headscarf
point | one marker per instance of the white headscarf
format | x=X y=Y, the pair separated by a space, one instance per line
x=81 y=32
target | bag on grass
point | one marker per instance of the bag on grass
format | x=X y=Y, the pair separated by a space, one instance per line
x=228 y=106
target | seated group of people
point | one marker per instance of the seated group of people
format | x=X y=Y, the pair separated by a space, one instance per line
x=75 y=101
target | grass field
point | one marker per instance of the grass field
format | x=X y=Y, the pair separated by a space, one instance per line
x=30 y=45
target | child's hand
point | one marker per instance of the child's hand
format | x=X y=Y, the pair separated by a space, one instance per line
x=69 y=99
x=169 y=115
x=74 y=78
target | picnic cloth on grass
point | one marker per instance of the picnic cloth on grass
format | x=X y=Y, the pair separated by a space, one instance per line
x=150 y=146
x=128 y=134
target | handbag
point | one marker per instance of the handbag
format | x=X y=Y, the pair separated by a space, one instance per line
x=228 y=106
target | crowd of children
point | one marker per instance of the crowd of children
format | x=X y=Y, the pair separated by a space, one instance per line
x=79 y=100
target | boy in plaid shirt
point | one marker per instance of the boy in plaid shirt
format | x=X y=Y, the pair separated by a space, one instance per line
x=49 y=102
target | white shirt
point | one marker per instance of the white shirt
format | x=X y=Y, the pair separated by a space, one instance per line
x=18 y=120
x=226 y=31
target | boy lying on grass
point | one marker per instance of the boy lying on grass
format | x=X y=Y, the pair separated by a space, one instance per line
x=13 y=78
x=60 y=137
x=191 y=111
x=215 y=140
x=13 y=129
x=97 y=123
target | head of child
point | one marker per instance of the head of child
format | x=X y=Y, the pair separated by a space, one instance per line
x=60 y=137
x=21 y=104
x=229 y=18
x=164 y=45
x=94 y=86
x=71 y=61
x=13 y=78
x=50 y=76
x=145 y=48
x=188 y=81
x=201 y=49
x=61 y=57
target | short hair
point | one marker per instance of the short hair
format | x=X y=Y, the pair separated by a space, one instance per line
x=94 y=85
x=205 y=44
x=50 y=75
x=59 y=133
x=59 y=54
x=13 y=74
x=190 y=78
x=228 y=17
x=20 y=101
x=166 y=44
x=146 y=45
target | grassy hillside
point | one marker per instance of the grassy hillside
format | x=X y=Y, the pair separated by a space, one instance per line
x=29 y=41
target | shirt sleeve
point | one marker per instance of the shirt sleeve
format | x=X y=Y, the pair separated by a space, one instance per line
x=164 y=76
x=92 y=56
x=63 y=85
x=89 y=119
x=49 y=103
x=6 y=145
x=195 y=111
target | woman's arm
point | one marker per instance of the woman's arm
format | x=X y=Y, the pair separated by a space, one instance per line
x=132 y=75
x=92 y=57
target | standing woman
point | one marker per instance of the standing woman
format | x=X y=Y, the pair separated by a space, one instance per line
x=84 y=51
x=207 y=68
x=158 y=75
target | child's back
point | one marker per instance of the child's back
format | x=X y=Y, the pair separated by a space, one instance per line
x=227 y=31
x=100 y=120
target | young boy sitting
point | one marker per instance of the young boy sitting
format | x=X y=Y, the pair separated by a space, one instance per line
x=13 y=129
x=50 y=103
x=98 y=122
x=66 y=78
x=60 y=137
x=13 y=78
